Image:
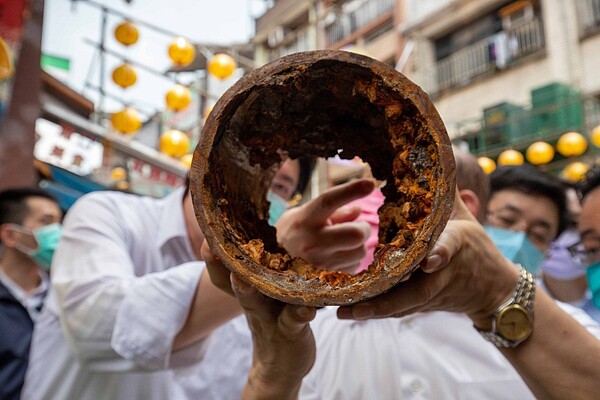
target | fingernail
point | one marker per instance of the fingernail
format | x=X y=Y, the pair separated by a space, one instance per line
x=433 y=262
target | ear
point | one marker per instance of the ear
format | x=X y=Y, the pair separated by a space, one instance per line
x=471 y=201
x=7 y=235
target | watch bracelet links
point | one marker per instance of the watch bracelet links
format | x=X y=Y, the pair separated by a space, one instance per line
x=524 y=295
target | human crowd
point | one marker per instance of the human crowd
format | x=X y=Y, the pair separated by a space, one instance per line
x=121 y=298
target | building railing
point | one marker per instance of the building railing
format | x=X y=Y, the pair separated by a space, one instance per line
x=493 y=53
x=300 y=42
x=525 y=125
x=346 y=23
x=588 y=12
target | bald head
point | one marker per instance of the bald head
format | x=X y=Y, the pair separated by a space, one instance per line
x=470 y=176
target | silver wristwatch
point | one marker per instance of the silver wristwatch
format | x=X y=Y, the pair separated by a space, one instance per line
x=513 y=320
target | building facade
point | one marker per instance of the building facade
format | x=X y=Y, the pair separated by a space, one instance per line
x=504 y=74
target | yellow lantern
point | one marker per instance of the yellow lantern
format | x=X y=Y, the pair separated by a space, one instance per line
x=122 y=185
x=186 y=159
x=118 y=174
x=6 y=60
x=124 y=75
x=207 y=111
x=571 y=144
x=595 y=136
x=178 y=98
x=126 y=33
x=510 y=157
x=126 y=121
x=539 y=153
x=221 y=66
x=487 y=164
x=182 y=52
x=575 y=171
x=174 y=143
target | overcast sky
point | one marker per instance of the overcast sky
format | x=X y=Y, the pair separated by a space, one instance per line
x=68 y=24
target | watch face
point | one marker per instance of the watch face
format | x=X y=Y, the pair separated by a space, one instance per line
x=513 y=323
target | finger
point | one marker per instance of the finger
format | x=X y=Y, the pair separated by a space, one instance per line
x=345 y=214
x=255 y=304
x=319 y=210
x=448 y=244
x=404 y=298
x=346 y=261
x=295 y=318
x=346 y=236
x=218 y=273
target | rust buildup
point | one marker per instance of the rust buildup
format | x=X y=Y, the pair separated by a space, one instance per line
x=317 y=103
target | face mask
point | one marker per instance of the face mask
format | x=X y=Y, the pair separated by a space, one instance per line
x=593 y=278
x=516 y=247
x=559 y=263
x=277 y=207
x=47 y=238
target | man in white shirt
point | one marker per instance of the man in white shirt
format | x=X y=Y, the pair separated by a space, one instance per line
x=29 y=229
x=429 y=355
x=130 y=301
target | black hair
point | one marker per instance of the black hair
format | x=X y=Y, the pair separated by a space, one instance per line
x=307 y=164
x=591 y=180
x=13 y=203
x=528 y=179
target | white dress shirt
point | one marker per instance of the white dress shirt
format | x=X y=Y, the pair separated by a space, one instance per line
x=123 y=279
x=32 y=301
x=436 y=355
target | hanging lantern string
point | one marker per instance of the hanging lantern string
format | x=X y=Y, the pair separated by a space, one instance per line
x=203 y=49
x=128 y=103
x=139 y=65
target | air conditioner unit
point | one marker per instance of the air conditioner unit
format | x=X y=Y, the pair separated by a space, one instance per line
x=275 y=37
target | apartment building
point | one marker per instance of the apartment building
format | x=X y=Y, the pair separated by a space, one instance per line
x=367 y=26
x=505 y=73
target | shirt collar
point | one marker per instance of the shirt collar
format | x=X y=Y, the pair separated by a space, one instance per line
x=172 y=220
x=20 y=294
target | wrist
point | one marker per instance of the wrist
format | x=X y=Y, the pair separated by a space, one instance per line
x=499 y=293
x=265 y=384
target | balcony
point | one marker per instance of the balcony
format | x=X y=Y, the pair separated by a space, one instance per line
x=348 y=22
x=588 y=12
x=494 y=53
x=294 y=42
x=555 y=109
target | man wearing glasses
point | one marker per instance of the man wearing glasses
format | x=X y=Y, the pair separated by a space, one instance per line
x=587 y=252
x=526 y=212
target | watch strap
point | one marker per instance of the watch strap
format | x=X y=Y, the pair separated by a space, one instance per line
x=523 y=296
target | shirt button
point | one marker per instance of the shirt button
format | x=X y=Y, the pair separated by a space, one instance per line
x=416 y=385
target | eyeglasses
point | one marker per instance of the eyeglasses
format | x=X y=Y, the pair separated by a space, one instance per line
x=509 y=219
x=583 y=255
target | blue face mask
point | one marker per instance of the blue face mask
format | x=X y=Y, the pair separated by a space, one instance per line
x=593 y=278
x=276 y=208
x=516 y=247
x=47 y=238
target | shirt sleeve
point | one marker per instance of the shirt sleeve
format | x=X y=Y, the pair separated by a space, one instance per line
x=113 y=319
